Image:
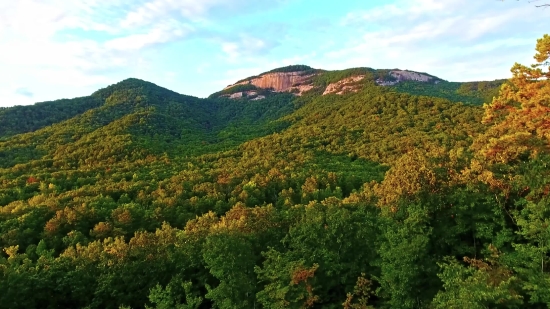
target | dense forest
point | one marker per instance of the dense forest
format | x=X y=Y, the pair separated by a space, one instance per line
x=416 y=195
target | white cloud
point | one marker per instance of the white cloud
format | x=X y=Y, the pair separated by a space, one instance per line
x=152 y=11
x=257 y=65
x=402 y=11
x=36 y=41
x=436 y=35
x=24 y=92
x=162 y=33
x=62 y=48
x=53 y=44
x=245 y=46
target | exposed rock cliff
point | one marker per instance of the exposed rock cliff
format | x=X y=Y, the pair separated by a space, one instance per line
x=398 y=76
x=409 y=75
x=252 y=95
x=344 y=85
x=299 y=79
x=295 y=82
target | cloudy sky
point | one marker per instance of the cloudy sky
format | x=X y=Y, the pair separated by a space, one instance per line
x=52 y=49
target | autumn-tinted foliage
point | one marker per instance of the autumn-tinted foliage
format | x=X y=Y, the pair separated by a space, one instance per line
x=388 y=197
x=475 y=93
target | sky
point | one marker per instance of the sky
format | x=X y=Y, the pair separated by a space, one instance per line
x=53 y=49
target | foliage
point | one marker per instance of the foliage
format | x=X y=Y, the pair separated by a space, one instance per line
x=303 y=69
x=291 y=68
x=234 y=89
x=474 y=93
x=329 y=77
x=400 y=197
x=21 y=119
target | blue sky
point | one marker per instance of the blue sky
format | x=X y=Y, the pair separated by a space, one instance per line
x=52 y=49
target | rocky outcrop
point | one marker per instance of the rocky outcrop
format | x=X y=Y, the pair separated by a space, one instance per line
x=236 y=95
x=295 y=82
x=398 y=76
x=382 y=82
x=401 y=75
x=345 y=85
x=298 y=82
x=253 y=95
x=260 y=97
x=301 y=89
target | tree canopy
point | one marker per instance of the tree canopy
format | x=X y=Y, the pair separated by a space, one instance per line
x=405 y=196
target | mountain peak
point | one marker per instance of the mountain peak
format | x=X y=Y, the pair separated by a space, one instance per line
x=131 y=83
x=293 y=78
x=291 y=68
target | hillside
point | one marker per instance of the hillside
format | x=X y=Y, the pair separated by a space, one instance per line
x=363 y=188
x=134 y=119
x=300 y=79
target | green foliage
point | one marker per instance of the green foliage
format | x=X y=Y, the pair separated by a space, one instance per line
x=291 y=68
x=169 y=297
x=234 y=89
x=21 y=119
x=406 y=263
x=231 y=260
x=486 y=90
x=304 y=69
x=140 y=197
x=480 y=285
x=474 y=93
x=322 y=80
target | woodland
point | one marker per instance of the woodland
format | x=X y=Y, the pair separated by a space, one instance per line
x=418 y=195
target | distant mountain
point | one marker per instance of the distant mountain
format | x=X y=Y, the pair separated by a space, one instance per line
x=137 y=194
x=131 y=119
x=135 y=118
x=21 y=119
x=299 y=79
x=295 y=188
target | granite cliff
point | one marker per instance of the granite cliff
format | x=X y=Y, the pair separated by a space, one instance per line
x=298 y=79
x=295 y=82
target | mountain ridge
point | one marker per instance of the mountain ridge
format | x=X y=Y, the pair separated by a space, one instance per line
x=411 y=195
x=298 y=79
x=132 y=82
x=136 y=114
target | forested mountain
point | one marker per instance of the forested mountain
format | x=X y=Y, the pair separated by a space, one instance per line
x=296 y=188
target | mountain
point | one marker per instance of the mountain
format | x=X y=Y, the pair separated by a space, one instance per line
x=299 y=79
x=295 y=188
x=21 y=119
x=133 y=118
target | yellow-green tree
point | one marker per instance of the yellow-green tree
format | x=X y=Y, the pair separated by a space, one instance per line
x=519 y=116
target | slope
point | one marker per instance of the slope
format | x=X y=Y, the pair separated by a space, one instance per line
x=136 y=119
x=21 y=119
x=300 y=79
x=298 y=198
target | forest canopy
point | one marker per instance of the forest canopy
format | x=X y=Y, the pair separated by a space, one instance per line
x=407 y=196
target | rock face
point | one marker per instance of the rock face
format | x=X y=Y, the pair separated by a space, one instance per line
x=345 y=85
x=299 y=82
x=408 y=75
x=382 y=82
x=260 y=97
x=252 y=95
x=401 y=75
x=236 y=95
x=295 y=82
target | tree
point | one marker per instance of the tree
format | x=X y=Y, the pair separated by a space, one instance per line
x=520 y=126
x=539 y=6
x=231 y=260
x=479 y=285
